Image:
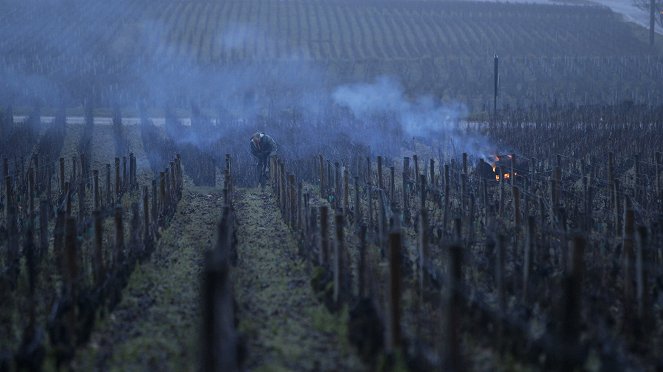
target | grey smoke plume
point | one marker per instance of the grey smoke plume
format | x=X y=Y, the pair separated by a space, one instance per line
x=289 y=95
x=423 y=117
x=419 y=117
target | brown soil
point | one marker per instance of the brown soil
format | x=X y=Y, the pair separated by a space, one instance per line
x=156 y=325
x=287 y=328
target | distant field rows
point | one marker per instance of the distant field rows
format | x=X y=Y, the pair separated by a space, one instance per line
x=253 y=30
x=126 y=51
x=266 y=30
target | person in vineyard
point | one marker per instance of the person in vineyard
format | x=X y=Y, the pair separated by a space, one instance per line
x=262 y=147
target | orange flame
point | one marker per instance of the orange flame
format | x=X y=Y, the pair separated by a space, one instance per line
x=507 y=176
x=497 y=158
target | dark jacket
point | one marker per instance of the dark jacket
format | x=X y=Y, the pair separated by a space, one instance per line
x=265 y=147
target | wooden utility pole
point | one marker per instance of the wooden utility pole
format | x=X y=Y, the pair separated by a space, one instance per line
x=497 y=82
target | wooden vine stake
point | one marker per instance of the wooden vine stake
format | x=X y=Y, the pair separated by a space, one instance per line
x=500 y=283
x=643 y=258
x=393 y=329
x=380 y=184
x=340 y=272
x=659 y=189
x=464 y=163
x=311 y=236
x=58 y=240
x=369 y=212
x=43 y=227
x=570 y=307
x=71 y=277
x=530 y=243
x=357 y=211
x=292 y=202
x=363 y=270
x=108 y=185
x=637 y=184
x=162 y=193
x=617 y=208
x=73 y=178
x=31 y=195
x=125 y=179
x=132 y=170
x=422 y=191
x=155 y=202
x=338 y=182
x=118 y=185
x=324 y=235
x=95 y=175
x=516 y=207
x=431 y=171
x=405 y=178
x=322 y=177
x=423 y=249
x=49 y=187
x=81 y=201
x=135 y=246
x=392 y=183
x=67 y=195
x=219 y=338
x=463 y=194
x=415 y=159
x=628 y=260
x=406 y=173
x=512 y=176
x=451 y=346
x=84 y=173
x=99 y=269
x=447 y=190
x=346 y=190
x=301 y=207
x=470 y=220
x=119 y=238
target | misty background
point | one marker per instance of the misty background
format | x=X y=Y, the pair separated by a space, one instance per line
x=372 y=74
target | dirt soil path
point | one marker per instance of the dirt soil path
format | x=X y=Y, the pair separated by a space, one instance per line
x=286 y=328
x=156 y=325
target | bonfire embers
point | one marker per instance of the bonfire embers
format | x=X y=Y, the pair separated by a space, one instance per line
x=501 y=166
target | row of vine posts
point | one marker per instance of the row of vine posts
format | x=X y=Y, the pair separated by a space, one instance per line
x=61 y=268
x=478 y=254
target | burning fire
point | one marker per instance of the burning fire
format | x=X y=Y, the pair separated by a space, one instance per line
x=507 y=175
x=497 y=158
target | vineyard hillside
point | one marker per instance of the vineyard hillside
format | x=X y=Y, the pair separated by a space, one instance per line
x=135 y=50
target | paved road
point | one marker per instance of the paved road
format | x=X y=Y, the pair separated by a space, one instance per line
x=102 y=120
